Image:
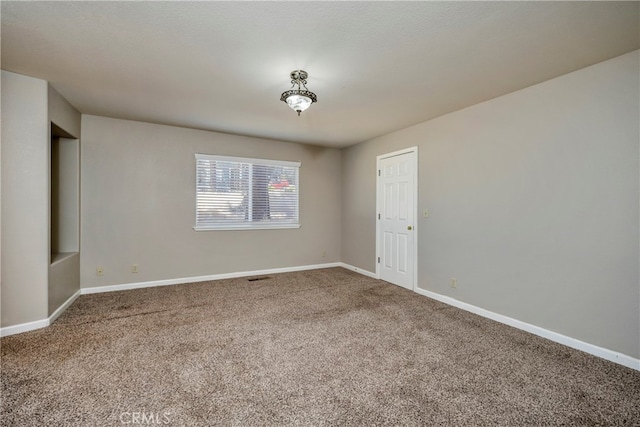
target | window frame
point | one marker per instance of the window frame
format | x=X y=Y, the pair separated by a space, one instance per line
x=247 y=225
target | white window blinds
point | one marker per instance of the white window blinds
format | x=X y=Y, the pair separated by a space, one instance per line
x=240 y=193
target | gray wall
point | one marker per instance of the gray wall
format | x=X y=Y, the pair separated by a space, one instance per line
x=25 y=199
x=62 y=113
x=65 y=195
x=533 y=200
x=64 y=280
x=29 y=292
x=64 y=201
x=138 y=205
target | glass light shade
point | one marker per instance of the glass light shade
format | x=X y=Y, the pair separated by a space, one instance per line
x=297 y=98
x=299 y=103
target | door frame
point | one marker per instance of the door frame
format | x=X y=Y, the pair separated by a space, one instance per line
x=414 y=150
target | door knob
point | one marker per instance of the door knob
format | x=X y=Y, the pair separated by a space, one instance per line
x=409 y=227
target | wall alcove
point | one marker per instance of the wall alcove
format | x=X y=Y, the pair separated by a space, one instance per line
x=64 y=242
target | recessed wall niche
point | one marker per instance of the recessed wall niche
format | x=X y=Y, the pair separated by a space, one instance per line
x=65 y=194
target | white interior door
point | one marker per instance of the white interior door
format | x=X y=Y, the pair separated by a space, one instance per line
x=396 y=232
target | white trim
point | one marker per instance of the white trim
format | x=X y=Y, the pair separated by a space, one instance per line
x=416 y=164
x=23 y=327
x=399 y=152
x=610 y=355
x=358 y=270
x=247 y=226
x=183 y=280
x=269 y=162
x=64 y=306
x=38 y=324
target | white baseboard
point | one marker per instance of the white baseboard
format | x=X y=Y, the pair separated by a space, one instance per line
x=64 y=306
x=595 y=350
x=38 y=324
x=24 y=327
x=358 y=270
x=182 y=280
x=612 y=356
x=30 y=326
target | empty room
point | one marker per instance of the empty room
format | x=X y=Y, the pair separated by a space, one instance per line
x=320 y=213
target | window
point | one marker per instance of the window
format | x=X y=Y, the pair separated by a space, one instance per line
x=240 y=193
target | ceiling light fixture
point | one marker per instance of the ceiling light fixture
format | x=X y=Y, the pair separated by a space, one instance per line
x=299 y=99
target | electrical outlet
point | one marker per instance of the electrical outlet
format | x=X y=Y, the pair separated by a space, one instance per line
x=99 y=271
x=324 y=254
x=134 y=268
x=425 y=213
x=454 y=282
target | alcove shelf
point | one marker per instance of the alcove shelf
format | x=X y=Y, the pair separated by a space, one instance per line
x=61 y=257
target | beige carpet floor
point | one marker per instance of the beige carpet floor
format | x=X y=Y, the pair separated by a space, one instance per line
x=314 y=348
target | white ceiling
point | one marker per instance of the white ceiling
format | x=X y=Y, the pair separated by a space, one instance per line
x=375 y=66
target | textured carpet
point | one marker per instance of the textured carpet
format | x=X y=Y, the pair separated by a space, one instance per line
x=321 y=347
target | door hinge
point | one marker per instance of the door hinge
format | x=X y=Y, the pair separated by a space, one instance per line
x=379 y=171
x=378 y=216
x=378 y=260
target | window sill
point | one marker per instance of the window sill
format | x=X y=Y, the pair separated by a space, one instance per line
x=249 y=227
